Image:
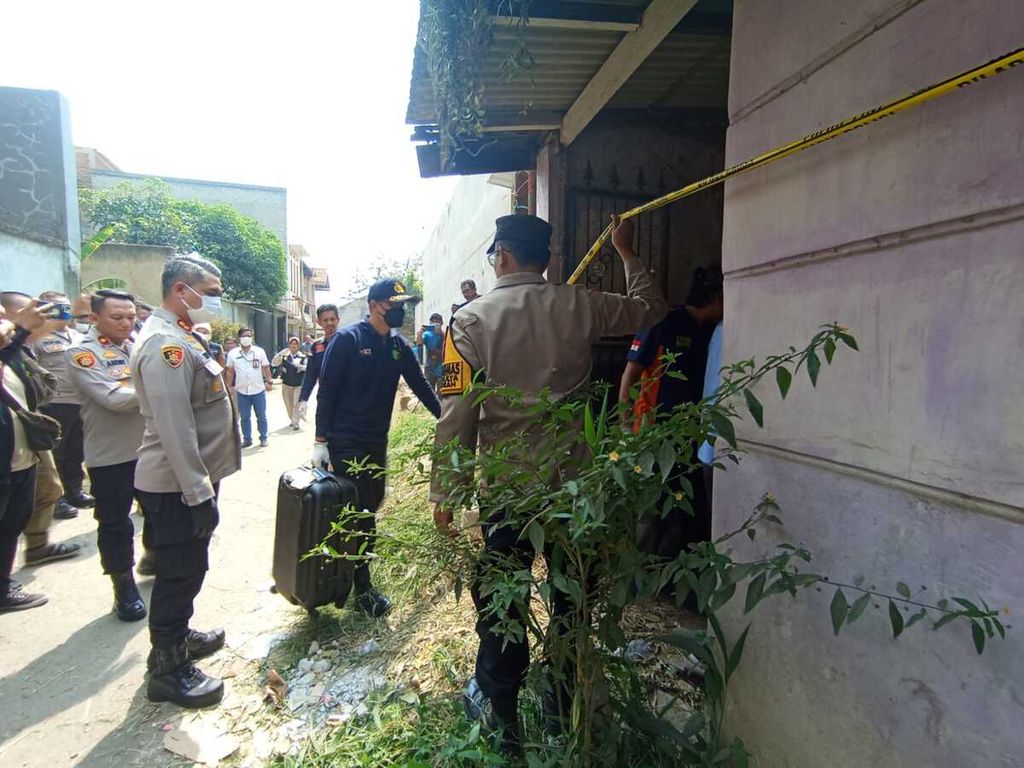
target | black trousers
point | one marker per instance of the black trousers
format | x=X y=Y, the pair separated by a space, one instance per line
x=371 y=484
x=180 y=561
x=17 y=498
x=114 y=489
x=70 y=452
x=668 y=536
x=502 y=661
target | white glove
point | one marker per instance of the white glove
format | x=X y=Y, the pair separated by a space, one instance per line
x=321 y=456
x=303 y=405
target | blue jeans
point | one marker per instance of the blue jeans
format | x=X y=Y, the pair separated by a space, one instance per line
x=258 y=403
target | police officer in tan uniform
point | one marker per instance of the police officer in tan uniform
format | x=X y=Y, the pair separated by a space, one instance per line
x=64 y=406
x=191 y=442
x=531 y=335
x=99 y=368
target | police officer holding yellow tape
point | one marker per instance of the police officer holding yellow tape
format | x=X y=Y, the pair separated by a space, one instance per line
x=530 y=335
x=99 y=369
x=191 y=443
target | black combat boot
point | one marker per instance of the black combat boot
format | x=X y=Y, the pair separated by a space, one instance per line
x=373 y=603
x=80 y=499
x=203 y=644
x=499 y=720
x=128 y=603
x=173 y=677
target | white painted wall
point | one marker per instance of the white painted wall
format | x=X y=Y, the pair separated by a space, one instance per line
x=905 y=463
x=30 y=266
x=457 y=247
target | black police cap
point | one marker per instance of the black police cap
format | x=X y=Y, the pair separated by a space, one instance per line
x=521 y=228
x=390 y=290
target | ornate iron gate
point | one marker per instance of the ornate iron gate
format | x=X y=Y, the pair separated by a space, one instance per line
x=589 y=212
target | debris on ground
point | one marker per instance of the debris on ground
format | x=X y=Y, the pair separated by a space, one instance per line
x=200 y=743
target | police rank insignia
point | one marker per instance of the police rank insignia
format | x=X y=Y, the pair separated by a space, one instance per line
x=111 y=354
x=84 y=359
x=173 y=354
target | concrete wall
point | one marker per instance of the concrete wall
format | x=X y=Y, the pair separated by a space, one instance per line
x=268 y=205
x=139 y=265
x=39 y=228
x=457 y=247
x=905 y=463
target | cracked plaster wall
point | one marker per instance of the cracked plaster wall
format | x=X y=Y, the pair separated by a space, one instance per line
x=39 y=226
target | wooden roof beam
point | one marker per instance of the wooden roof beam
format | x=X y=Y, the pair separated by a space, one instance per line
x=586 y=25
x=659 y=19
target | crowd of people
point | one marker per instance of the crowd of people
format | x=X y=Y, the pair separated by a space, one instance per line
x=156 y=413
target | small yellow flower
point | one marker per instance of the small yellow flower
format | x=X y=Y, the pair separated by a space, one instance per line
x=638 y=469
x=1006 y=610
x=613 y=456
x=679 y=497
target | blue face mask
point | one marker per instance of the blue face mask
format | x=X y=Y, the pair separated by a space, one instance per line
x=208 y=312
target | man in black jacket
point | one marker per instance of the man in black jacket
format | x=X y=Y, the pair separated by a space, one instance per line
x=358 y=383
x=291 y=362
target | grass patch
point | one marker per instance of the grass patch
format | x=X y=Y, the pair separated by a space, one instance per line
x=433 y=732
x=428 y=648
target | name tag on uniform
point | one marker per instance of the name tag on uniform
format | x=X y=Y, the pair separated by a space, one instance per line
x=215 y=368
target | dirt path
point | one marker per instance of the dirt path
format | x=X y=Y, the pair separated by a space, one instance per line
x=72 y=676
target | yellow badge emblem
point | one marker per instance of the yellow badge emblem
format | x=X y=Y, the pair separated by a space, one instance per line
x=457 y=374
x=85 y=359
x=173 y=354
x=110 y=354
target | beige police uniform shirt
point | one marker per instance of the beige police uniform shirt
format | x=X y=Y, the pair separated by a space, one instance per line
x=191 y=439
x=530 y=334
x=100 y=371
x=50 y=352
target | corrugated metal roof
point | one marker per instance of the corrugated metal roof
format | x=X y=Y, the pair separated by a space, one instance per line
x=685 y=70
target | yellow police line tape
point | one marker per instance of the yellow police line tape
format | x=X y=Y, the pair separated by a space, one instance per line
x=919 y=97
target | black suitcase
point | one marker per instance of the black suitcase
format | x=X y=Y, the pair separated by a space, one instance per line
x=308 y=501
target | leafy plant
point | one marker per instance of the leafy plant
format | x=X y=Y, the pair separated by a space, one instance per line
x=583 y=514
x=456 y=36
x=250 y=255
x=222 y=330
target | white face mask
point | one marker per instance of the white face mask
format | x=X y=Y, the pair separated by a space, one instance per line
x=245 y=341
x=208 y=312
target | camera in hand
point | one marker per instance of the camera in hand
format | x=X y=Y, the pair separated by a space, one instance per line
x=61 y=312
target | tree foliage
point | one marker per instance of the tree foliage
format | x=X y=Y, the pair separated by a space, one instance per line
x=250 y=255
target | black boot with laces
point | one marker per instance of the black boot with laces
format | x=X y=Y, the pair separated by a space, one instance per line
x=173 y=678
x=128 y=604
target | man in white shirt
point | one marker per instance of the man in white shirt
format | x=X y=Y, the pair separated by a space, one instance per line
x=248 y=372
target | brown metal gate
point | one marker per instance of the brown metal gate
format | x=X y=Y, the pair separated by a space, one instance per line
x=589 y=212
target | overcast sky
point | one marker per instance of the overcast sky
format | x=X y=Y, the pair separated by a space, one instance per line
x=305 y=95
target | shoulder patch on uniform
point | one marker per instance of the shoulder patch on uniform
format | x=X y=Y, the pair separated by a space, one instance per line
x=457 y=373
x=84 y=359
x=173 y=354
